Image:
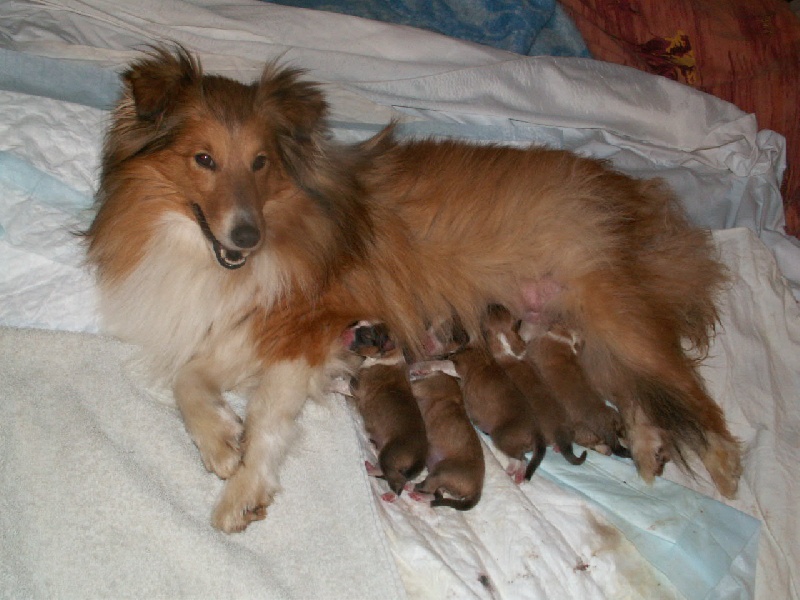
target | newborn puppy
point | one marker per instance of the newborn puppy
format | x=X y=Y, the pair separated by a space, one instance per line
x=366 y=339
x=444 y=337
x=382 y=393
x=597 y=425
x=500 y=410
x=500 y=329
x=455 y=455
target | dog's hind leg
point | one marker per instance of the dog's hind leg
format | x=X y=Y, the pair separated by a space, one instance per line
x=270 y=427
x=634 y=353
x=213 y=426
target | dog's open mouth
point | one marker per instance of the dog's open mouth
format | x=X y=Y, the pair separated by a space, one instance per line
x=230 y=259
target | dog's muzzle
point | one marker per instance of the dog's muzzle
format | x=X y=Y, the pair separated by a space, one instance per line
x=230 y=259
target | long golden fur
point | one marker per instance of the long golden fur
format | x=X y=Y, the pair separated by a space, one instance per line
x=234 y=242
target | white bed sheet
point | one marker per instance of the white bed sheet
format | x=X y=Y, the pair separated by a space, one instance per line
x=558 y=535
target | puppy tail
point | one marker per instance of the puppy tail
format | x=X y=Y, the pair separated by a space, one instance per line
x=564 y=442
x=539 y=451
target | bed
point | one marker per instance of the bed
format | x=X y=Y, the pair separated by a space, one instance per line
x=101 y=491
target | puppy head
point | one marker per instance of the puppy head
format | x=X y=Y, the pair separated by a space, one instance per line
x=368 y=339
x=501 y=332
x=444 y=337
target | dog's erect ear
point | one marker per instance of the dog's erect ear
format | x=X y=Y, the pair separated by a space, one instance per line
x=298 y=109
x=142 y=117
x=155 y=82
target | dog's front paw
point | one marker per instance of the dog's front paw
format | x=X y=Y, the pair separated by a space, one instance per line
x=219 y=442
x=245 y=499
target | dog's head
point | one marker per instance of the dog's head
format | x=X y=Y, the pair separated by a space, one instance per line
x=222 y=149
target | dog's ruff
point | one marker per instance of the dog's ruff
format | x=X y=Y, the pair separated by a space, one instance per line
x=406 y=233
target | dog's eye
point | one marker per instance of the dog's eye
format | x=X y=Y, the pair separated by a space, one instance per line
x=259 y=163
x=205 y=160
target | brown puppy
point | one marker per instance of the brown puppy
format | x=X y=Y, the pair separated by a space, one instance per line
x=597 y=425
x=444 y=337
x=500 y=410
x=507 y=348
x=455 y=455
x=382 y=394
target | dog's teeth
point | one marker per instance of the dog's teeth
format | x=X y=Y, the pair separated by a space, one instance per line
x=230 y=259
x=233 y=256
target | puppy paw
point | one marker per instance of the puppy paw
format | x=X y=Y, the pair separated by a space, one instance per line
x=244 y=499
x=421 y=496
x=516 y=470
x=219 y=442
x=602 y=449
x=723 y=461
x=373 y=470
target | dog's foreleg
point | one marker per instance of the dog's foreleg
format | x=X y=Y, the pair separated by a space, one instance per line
x=270 y=426
x=212 y=425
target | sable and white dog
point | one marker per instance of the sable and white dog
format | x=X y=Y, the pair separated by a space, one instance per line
x=235 y=242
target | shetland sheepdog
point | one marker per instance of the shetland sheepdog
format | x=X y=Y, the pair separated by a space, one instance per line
x=234 y=241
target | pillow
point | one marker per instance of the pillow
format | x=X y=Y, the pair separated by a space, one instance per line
x=744 y=51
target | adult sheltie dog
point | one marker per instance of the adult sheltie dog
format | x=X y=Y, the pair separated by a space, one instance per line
x=234 y=241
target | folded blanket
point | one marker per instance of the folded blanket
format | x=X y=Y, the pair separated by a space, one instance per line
x=104 y=496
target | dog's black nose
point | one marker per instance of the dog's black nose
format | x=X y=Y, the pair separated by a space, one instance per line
x=245 y=236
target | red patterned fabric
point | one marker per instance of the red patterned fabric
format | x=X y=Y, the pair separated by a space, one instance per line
x=744 y=51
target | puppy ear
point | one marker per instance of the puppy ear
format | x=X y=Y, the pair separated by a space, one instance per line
x=155 y=83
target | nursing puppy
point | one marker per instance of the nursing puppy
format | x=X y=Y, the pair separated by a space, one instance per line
x=508 y=349
x=234 y=242
x=382 y=393
x=500 y=410
x=456 y=467
x=597 y=425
